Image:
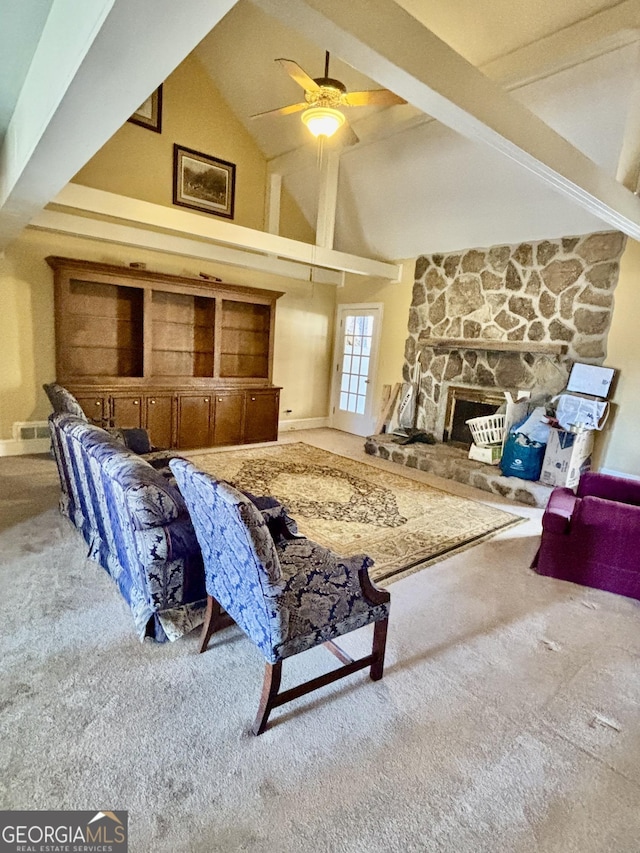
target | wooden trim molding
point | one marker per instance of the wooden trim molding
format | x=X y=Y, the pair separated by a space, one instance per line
x=543 y=348
x=148 y=216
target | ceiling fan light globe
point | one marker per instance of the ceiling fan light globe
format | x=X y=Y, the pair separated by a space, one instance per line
x=323 y=121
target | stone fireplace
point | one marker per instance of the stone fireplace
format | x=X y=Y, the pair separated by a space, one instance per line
x=486 y=321
x=508 y=317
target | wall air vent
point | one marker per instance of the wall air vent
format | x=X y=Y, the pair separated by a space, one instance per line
x=28 y=437
x=30 y=430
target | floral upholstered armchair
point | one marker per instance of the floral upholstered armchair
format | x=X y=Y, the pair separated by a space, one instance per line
x=287 y=595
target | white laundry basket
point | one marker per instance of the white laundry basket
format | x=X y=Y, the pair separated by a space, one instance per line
x=487 y=430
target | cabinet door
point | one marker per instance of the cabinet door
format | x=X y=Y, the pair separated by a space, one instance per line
x=126 y=411
x=261 y=416
x=159 y=420
x=95 y=408
x=194 y=420
x=229 y=416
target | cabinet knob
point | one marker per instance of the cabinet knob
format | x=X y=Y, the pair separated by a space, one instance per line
x=219 y=399
x=206 y=399
x=98 y=402
x=152 y=402
x=136 y=402
x=253 y=399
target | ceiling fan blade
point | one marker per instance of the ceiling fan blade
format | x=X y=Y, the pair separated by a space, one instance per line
x=282 y=111
x=375 y=97
x=299 y=75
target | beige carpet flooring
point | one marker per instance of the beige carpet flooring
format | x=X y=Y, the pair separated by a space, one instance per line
x=508 y=718
x=351 y=507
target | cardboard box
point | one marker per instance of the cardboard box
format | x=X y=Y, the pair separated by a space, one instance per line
x=567 y=456
x=490 y=455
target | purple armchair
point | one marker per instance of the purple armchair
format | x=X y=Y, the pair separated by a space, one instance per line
x=593 y=537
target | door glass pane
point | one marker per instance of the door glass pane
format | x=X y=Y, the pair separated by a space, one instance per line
x=356 y=356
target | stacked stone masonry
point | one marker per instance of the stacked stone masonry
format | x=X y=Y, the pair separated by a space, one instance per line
x=452 y=463
x=551 y=291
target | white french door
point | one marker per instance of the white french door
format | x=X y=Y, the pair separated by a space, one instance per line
x=354 y=367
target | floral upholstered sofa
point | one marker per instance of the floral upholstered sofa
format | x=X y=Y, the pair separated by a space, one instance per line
x=135 y=524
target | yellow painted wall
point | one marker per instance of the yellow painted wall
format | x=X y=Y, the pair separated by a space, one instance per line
x=304 y=323
x=618 y=447
x=137 y=162
x=26 y=331
x=396 y=300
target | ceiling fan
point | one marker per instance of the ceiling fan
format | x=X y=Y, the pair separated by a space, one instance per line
x=323 y=98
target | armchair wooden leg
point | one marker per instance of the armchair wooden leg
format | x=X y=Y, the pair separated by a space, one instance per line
x=378 y=650
x=271 y=697
x=215 y=620
x=270 y=687
x=213 y=609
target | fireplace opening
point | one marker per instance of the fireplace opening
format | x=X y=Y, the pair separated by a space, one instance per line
x=464 y=404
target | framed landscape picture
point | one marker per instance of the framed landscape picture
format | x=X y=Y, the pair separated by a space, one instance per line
x=203 y=182
x=149 y=114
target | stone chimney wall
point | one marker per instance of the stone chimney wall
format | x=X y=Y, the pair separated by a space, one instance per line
x=553 y=291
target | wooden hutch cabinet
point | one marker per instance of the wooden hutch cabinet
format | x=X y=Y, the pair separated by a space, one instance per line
x=189 y=360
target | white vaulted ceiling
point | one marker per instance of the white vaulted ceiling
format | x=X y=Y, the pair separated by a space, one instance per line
x=443 y=192
x=426 y=188
x=412 y=184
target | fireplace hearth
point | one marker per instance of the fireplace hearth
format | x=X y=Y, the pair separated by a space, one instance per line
x=452 y=463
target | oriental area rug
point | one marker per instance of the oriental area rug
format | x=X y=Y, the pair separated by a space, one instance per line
x=351 y=507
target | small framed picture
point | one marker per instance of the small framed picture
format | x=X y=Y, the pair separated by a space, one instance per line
x=203 y=182
x=149 y=114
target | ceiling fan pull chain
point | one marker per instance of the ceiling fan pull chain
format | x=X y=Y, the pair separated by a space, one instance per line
x=326 y=63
